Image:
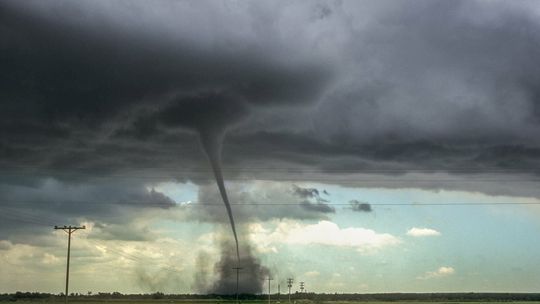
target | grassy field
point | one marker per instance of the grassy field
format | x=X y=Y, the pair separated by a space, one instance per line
x=218 y=301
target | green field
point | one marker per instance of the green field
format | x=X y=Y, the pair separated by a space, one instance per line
x=217 y=301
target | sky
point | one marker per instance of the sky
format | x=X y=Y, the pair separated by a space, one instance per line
x=364 y=146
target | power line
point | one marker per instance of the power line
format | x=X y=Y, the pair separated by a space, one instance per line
x=132 y=257
x=306 y=178
x=9 y=214
x=126 y=255
x=292 y=167
x=162 y=172
x=205 y=204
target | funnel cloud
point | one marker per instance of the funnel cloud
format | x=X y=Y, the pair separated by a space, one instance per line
x=212 y=147
x=209 y=114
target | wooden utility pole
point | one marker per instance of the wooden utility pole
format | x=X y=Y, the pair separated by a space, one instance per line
x=69 y=230
x=237 y=274
x=269 y=279
x=289 y=284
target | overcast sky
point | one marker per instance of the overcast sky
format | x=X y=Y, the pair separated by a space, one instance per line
x=366 y=146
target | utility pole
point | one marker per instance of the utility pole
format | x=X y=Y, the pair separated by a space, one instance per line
x=289 y=284
x=301 y=287
x=269 y=279
x=278 y=292
x=237 y=274
x=69 y=230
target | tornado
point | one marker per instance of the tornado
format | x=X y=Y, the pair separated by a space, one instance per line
x=210 y=114
x=212 y=144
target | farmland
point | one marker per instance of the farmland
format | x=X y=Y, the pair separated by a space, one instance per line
x=211 y=301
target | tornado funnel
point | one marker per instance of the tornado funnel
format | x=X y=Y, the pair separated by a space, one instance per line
x=212 y=144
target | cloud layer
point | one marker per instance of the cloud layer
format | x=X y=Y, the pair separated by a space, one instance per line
x=438 y=86
x=443 y=271
x=323 y=233
x=421 y=232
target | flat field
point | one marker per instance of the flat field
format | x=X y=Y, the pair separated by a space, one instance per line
x=218 y=301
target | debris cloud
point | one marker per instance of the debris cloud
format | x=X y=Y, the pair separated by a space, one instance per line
x=221 y=278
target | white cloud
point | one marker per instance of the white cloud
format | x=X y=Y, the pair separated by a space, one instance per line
x=44 y=262
x=322 y=233
x=312 y=274
x=420 y=232
x=443 y=271
x=49 y=259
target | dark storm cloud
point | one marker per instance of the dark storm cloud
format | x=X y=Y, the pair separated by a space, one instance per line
x=370 y=93
x=90 y=94
x=317 y=207
x=305 y=192
x=256 y=201
x=443 y=73
x=114 y=207
x=391 y=157
x=424 y=85
x=62 y=76
x=360 y=206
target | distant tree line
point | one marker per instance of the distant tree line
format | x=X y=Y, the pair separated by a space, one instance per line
x=298 y=297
